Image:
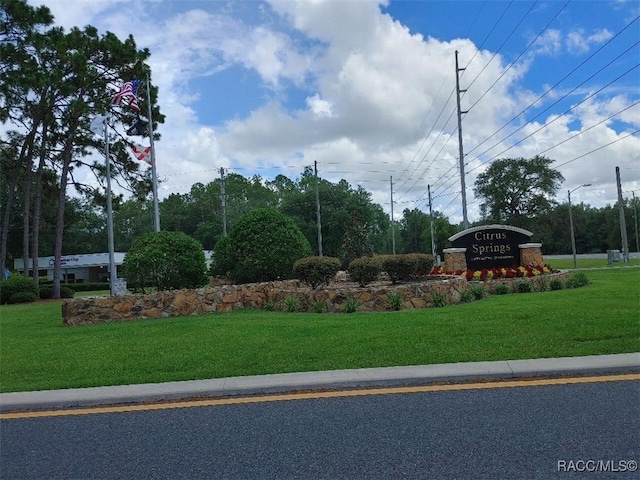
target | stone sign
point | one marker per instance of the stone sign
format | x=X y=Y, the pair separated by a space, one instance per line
x=491 y=246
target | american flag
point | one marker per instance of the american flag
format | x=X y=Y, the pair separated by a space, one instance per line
x=142 y=153
x=128 y=90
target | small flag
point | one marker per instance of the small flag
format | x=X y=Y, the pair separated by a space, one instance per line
x=142 y=153
x=139 y=127
x=97 y=124
x=128 y=90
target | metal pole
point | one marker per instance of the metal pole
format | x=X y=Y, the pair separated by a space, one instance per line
x=463 y=187
x=573 y=237
x=635 y=219
x=623 y=224
x=223 y=202
x=154 y=176
x=393 y=234
x=112 y=264
x=315 y=166
x=433 y=240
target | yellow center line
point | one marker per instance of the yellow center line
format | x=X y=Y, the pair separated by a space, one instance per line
x=319 y=395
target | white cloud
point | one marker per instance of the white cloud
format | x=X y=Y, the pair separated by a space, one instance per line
x=375 y=99
x=579 y=42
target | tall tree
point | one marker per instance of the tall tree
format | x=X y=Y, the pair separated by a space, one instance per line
x=53 y=84
x=515 y=190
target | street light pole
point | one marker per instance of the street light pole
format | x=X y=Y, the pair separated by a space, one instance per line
x=573 y=236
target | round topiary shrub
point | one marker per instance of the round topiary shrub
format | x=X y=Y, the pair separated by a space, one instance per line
x=15 y=284
x=166 y=261
x=365 y=270
x=316 y=271
x=262 y=246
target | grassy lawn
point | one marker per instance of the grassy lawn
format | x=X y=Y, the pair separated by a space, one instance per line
x=37 y=352
x=567 y=263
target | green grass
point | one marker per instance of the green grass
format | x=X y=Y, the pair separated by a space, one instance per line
x=567 y=263
x=37 y=352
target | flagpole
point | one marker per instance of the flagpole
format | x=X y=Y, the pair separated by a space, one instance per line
x=156 y=210
x=112 y=264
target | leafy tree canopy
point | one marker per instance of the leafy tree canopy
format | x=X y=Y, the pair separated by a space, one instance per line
x=515 y=190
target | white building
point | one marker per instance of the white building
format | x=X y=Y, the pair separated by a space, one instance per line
x=91 y=267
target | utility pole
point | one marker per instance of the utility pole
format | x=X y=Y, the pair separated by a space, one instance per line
x=315 y=167
x=393 y=235
x=465 y=219
x=623 y=224
x=635 y=218
x=223 y=202
x=433 y=240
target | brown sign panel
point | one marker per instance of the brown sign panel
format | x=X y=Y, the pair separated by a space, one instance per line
x=491 y=246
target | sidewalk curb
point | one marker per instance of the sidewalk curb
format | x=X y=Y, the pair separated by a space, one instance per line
x=325 y=380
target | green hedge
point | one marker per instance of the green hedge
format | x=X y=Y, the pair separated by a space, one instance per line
x=316 y=271
x=365 y=270
x=15 y=284
x=406 y=266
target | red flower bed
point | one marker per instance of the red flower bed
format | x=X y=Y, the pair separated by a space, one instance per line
x=488 y=274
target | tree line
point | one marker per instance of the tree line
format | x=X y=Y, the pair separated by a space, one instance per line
x=52 y=83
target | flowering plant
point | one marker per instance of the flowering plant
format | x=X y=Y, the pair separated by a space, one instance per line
x=488 y=274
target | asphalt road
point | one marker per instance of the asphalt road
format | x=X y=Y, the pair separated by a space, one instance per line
x=542 y=432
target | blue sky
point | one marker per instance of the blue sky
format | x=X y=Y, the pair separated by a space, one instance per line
x=366 y=89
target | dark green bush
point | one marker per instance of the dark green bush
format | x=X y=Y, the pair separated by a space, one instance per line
x=66 y=292
x=556 y=284
x=316 y=271
x=438 y=300
x=365 y=270
x=15 y=284
x=422 y=263
x=478 y=292
x=46 y=292
x=395 y=301
x=166 y=261
x=501 y=289
x=406 y=266
x=577 y=280
x=23 y=297
x=524 y=286
x=222 y=260
x=263 y=246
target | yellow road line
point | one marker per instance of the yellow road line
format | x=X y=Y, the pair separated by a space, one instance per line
x=318 y=395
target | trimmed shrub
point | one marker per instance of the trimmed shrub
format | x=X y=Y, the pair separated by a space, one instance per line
x=23 y=297
x=406 y=266
x=46 y=292
x=365 y=270
x=66 y=292
x=15 y=284
x=501 y=289
x=422 y=263
x=166 y=261
x=263 y=246
x=577 y=280
x=316 y=271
